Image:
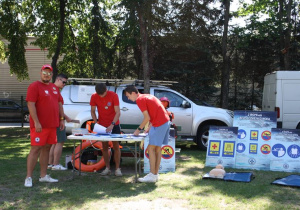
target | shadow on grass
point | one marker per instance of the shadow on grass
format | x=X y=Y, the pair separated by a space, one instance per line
x=68 y=192
x=91 y=187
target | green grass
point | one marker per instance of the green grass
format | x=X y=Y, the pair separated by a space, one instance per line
x=183 y=189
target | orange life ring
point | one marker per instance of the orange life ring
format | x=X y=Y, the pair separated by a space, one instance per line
x=89 y=168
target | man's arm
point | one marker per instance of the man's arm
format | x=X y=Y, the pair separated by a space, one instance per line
x=68 y=119
x=61 y=116
x=33 y=114
x=116 y=118
x=93 y=113
x=145 y=121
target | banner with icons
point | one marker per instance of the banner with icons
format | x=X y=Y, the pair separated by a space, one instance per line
x=221 y=146
x=285 y=150
x=253 y=149
x=167 y=163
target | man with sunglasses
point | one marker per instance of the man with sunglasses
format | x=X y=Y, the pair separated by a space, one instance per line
x=56 y=149
x=46 y=114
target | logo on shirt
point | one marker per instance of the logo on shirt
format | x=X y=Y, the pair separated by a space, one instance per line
x=37 y=139
x=54 y=88
x=47 y=92
x=108 y=103
x=55 y=92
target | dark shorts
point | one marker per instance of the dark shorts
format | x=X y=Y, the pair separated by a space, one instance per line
x=61 y=135
x=116 y=129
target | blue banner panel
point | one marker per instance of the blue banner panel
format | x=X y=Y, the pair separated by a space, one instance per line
x=221 y=146
x=253 y=149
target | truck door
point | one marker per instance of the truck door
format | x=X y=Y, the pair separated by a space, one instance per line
x=131 y=116
x=183 y=117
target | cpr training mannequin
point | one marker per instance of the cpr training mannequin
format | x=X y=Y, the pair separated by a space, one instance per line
x=217 y=172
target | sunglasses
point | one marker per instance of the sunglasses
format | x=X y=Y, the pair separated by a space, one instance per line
x=64 y=82
x=46 y=73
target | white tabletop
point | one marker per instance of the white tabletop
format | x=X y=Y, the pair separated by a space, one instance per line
x=111 y=137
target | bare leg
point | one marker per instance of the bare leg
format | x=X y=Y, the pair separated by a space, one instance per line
x=105 y=154
x=44 y=157
x=158 y=159
x=51 y=154
x=57 y=152
x=32 y=159
x=117 y=154
x=152 y=158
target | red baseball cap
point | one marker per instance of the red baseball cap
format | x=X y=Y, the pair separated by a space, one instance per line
x=47 y=66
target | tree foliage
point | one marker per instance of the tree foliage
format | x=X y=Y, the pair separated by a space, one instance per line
x=164 y=40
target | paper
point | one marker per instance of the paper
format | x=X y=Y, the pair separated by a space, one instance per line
x=99 y=129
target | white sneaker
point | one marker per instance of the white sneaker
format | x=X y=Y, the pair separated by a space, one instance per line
x=47 y=178
x=105 y=172
x=118 y=172
x=28 y=182
x=58 y=168
x=49 y=166
x=148 y=178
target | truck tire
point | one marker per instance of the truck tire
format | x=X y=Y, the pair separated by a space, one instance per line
x=202 y=137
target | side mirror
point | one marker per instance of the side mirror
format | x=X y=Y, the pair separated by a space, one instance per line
x=185 y=104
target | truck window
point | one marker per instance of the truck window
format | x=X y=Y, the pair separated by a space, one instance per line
x=126 y=100
x=175 y=100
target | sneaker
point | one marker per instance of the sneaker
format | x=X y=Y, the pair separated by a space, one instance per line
x=156 y=177
x=49 y=166
x=105 y=172
x=47 y=178
x=58 y=168
x=118 y=172
x=28 y=182
x=148 y=178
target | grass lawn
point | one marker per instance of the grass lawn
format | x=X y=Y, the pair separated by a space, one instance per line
x=184 y=189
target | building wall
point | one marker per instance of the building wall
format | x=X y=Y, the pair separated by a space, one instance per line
x=10 y=86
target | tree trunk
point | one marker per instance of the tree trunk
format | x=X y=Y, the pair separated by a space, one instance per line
x=96 y=40
x=281 y=42
x=287 y=37
x=225 y=70
x=62 y=6
x=144 y=48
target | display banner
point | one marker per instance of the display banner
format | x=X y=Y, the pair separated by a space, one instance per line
x=253 y=149
x=221 y=146
x=167 y=163
x=285 y=154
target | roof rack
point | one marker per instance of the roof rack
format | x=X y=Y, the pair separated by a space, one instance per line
x=116 y=82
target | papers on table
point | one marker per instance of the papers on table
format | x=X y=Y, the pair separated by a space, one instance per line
x=99 y=129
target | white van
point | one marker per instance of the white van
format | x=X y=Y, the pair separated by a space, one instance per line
x=282 y=94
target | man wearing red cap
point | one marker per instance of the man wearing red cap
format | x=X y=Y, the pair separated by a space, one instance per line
x=46 y=114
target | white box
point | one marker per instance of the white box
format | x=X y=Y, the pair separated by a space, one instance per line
x=68 y=159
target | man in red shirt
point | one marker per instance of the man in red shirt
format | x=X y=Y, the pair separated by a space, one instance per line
x=158 y=129
x=46 y=114
x=107 y=104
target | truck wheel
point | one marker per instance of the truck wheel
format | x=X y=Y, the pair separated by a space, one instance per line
x=202 y=137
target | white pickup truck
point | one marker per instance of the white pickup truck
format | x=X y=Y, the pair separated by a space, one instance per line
x=192 y=120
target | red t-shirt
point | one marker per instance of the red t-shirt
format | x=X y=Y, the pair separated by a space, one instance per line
x=46 y=98
x=105 y=107
x=157 y=112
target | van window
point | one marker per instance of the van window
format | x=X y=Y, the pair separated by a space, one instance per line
x=175 y=100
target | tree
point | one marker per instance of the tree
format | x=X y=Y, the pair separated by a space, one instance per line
x=14 y=28
x=226 y=59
